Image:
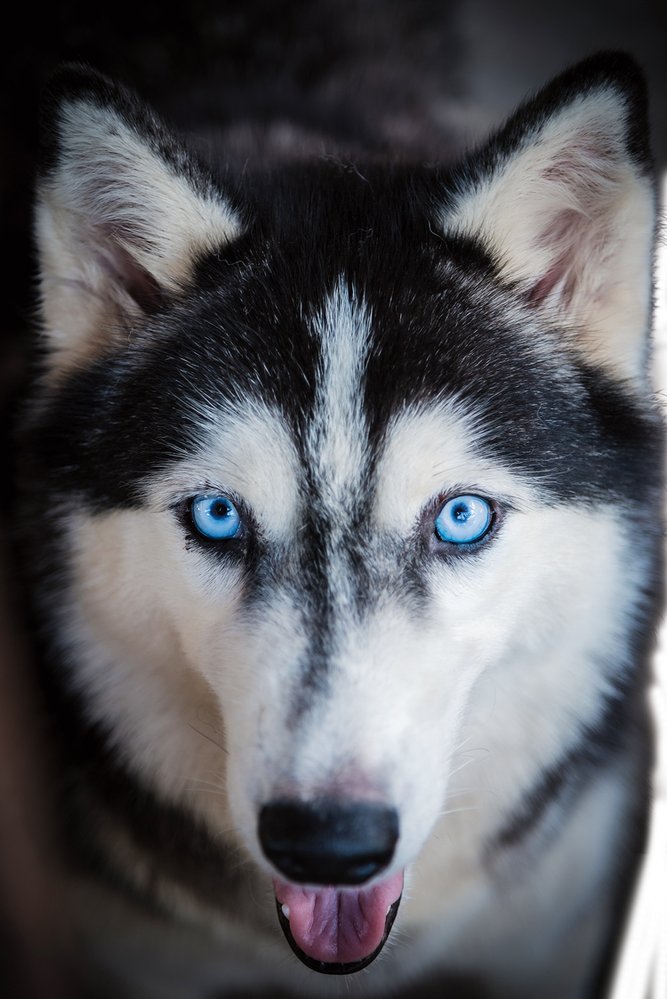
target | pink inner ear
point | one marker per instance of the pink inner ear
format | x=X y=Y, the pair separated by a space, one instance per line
x=585 y=177
x=543 y=288
x=571 y=236
x=126 y=273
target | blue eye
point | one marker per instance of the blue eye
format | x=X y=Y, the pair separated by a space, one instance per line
x=215 y=517
x=463 y=519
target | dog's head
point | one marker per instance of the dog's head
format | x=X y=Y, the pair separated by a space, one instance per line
x=351 y=467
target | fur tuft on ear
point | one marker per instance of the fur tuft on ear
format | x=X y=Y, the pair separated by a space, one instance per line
x=123 y=214
x=564 y=202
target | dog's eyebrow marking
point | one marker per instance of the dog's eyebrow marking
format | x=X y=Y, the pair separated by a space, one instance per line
x=245 y=447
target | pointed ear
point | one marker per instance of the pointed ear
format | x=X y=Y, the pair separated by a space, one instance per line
x=123 y=215
x=563 y=199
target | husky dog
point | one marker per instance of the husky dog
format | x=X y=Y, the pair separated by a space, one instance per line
x=341 y=497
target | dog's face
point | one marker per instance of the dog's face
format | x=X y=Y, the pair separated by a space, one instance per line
x=350 y=470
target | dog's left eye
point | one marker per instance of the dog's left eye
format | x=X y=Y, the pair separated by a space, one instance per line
x=215 y=517
x=464 y=519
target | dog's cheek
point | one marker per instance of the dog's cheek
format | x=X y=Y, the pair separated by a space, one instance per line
x=135 y=657
x=509 y=626
x=559 y=598
x=142 y=590
x=119 y=582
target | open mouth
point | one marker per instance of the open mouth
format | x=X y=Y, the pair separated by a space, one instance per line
x=338 y=931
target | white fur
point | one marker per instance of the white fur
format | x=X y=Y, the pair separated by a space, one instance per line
x=571 y=202
x=338 y=432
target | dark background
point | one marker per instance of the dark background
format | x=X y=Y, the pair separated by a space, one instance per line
x=437 y=74
x=471 y=61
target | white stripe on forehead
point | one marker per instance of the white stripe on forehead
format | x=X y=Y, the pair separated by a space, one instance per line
x=338 y=434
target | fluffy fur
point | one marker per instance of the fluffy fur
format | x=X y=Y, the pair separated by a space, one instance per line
x=339 y=349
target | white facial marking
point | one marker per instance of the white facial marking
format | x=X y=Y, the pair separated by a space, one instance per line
x=433 y=449
x=338 y=432
x=244 y=448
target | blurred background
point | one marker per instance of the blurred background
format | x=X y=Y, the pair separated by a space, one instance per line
x=443 y=71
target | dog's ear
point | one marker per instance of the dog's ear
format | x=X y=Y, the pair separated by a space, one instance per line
x=123 y=214
x=563 y=199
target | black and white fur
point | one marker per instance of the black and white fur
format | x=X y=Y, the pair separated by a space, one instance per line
x=340 y=346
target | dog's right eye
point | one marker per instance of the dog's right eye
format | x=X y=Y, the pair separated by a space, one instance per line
x=215 y=517
x=464 y=520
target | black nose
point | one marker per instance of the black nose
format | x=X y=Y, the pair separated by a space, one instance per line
x=326 y=842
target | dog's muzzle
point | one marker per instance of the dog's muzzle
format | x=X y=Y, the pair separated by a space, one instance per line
x=326 y=849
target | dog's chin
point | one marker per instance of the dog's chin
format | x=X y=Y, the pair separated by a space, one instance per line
x=338 y=931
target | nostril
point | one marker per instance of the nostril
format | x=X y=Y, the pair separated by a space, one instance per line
x=328 y=842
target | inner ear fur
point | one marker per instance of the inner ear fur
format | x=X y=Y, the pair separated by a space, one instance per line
x=563 y=199
x=123 y=214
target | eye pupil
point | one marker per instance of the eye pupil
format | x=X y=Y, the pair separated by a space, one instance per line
x=463 y=520
x=461 y=512
x=220 y=509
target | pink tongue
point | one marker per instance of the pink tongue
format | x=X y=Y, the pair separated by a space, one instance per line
x=338 y=925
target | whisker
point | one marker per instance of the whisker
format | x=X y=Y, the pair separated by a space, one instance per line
x=208 y=738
